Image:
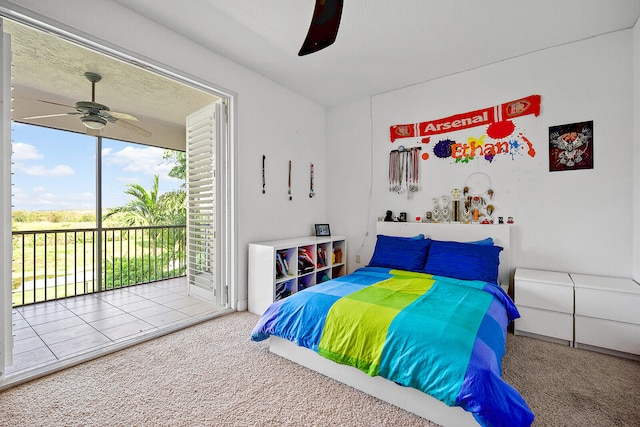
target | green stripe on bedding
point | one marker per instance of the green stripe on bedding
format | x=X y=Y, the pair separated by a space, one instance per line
x=356 y=327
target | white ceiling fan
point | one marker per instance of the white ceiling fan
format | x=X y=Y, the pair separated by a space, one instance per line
x=95 y=116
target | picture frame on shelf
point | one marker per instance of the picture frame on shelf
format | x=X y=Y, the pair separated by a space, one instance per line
x=323 y=230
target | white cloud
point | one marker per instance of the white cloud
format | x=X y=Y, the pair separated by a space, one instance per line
x=106 y=151
x=146 y=160
x=39 y=170
x=23 y=151
x=41 y=199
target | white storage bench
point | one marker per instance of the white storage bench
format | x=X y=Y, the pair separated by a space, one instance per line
x=545 y=302
x=607 y=314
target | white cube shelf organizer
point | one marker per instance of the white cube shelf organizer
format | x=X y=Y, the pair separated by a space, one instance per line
x=279 y=268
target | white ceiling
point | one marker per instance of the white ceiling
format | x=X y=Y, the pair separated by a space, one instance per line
x=383 y=45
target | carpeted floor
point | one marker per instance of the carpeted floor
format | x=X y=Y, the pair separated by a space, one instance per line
x=212 y=375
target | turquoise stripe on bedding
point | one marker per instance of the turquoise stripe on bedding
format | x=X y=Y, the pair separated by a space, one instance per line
x=452 y=327
x=356 y=326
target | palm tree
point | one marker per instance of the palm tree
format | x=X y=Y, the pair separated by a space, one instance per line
x=143 y=209
x=150 y=208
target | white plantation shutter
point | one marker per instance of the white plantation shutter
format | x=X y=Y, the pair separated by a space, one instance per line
x=201 y=203
x=6 y=338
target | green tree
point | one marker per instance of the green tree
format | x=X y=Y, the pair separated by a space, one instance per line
x=173 y=203
x=179 y=160
x=143 y=209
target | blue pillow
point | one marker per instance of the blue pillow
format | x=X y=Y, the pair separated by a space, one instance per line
x=466 y=261
x=402 y=253
x=487 y=241
x=416 y=237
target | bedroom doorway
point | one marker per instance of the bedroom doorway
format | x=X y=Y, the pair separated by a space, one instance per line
x=223 y=245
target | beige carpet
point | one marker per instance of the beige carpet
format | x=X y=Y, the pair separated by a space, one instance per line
x=212 y=375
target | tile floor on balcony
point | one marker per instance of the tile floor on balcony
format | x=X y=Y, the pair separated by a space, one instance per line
x=49 y=332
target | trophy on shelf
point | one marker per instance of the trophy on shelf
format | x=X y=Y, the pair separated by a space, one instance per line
x=442 y=209
x=455 y=205
x=436 y=210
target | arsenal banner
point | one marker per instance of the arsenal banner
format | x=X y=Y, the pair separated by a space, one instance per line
x=488 y=116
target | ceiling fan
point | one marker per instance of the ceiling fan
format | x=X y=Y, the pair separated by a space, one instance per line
x=324 y=26
x=96 y=116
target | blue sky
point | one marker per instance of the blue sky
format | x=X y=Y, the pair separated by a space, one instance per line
x=55 y=170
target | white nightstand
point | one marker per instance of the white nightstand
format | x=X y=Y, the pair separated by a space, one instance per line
x=607 y=313
x=545 y=302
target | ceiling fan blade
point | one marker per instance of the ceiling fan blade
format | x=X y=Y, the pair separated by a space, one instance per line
x=133 y=127
x=49 y=115
x=55 y=103
x=121 y=116
x=324 y=26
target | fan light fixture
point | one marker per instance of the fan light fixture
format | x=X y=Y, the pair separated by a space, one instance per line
x=95 y=116
x=93 y=121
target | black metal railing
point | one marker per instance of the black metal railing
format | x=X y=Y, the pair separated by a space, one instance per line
x=52 y=264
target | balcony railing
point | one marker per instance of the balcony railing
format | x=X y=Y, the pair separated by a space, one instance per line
x=52 y=264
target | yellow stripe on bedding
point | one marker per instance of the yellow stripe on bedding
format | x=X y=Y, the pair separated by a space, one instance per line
x=356 y=327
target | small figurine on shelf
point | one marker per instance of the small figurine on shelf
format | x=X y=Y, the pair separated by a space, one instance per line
x=489 y=211
x=510 y=220
x=338 y=255
x=428 y=216
x=388 y=217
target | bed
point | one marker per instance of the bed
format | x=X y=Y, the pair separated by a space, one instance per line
x=422 y=326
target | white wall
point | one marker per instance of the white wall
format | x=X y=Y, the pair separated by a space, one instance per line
x=636 y=153
x=571 y=221
x=575 y=221
x=271 y=120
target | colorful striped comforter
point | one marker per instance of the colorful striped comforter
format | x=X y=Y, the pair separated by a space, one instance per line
x=443 y=336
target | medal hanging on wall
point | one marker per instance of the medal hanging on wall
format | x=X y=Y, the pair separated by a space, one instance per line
x=311 y=192
x=404 y=170
x=289 y=192
x=264 y=182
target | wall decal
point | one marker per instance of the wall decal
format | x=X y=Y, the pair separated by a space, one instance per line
x=496 y=117
x=571 y=146
x=500 y=130
x=477 y=148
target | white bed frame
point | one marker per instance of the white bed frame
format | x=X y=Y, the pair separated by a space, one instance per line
x=407 y=398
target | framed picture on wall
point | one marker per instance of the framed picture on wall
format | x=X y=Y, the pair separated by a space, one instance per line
x=322 y=230
x=571 y=146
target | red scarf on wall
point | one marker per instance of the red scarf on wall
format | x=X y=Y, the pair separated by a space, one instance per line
x=488 y=116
